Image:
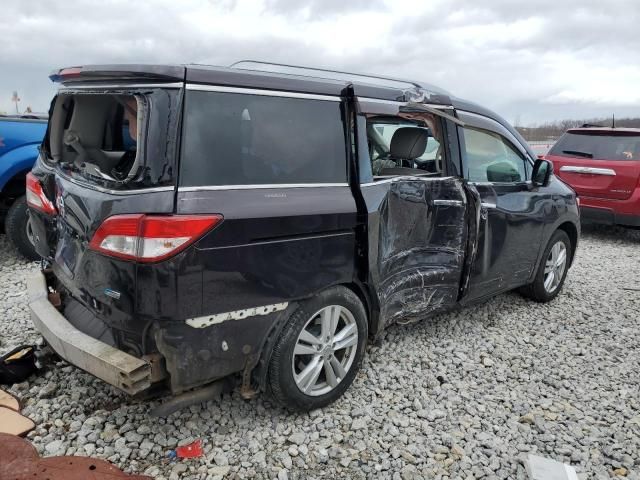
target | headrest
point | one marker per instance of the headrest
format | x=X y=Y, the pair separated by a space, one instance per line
x=408 y=142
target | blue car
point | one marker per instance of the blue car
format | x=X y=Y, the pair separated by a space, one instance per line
x=20 y=137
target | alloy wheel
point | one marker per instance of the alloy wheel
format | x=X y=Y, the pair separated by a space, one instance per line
x=555 y=266
x=325 y=350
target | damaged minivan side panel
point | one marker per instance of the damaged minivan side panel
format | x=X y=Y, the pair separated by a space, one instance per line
x=418 y=231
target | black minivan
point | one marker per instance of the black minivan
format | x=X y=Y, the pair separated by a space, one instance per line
x=263 y=222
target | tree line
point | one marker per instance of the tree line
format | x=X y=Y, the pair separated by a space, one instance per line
x=552 y=130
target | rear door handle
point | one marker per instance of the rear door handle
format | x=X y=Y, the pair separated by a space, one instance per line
x=590 y=170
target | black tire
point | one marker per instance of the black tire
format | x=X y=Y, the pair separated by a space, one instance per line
x=536 y=290
x=281 y=384
x=15 y=226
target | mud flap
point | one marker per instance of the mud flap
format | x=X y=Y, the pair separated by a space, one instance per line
x=419 y=233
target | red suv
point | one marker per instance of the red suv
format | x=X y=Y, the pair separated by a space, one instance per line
x=602 y=164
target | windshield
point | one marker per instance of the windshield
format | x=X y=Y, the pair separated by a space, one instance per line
x=596 y=146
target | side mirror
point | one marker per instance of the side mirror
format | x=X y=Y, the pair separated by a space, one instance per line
x=542 y=171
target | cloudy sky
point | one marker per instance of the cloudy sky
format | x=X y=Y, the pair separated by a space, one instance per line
x=531 y=61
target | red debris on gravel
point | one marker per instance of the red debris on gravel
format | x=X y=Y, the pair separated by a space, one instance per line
x=19 y=460
x=192 y=450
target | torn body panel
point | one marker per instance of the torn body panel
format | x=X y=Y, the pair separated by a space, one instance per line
x=418 y=230
x=196 y=356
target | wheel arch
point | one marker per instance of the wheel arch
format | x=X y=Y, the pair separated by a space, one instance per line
x=572 y=232
x=259 y=371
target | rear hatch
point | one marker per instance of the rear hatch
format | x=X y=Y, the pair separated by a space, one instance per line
x=108 y=159
x=598 y=162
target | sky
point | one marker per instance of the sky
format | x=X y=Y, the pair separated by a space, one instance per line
x=530 y=61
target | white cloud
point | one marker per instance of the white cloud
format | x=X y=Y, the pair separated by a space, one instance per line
x=537 y=60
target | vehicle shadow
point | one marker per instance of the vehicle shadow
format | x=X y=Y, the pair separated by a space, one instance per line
x=610 y=232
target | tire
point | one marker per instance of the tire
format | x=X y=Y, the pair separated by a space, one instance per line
x=336 y=302
x=537 y=290
x=15 y=226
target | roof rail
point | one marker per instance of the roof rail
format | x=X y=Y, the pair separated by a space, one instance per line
x=301 y=70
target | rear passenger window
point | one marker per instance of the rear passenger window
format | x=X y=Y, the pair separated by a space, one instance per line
x=488 y=157
x=237 y=139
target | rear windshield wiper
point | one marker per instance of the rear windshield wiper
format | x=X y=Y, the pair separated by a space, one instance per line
x=578 y=153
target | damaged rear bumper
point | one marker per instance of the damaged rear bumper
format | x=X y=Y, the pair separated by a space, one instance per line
x=124 y=371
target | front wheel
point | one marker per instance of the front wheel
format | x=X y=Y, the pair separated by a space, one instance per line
x=552 y=270
x=18 y=229
x=319 y=351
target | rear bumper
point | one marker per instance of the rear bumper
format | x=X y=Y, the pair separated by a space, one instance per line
x=611 y=212
x=118 y=368
x=608 y=216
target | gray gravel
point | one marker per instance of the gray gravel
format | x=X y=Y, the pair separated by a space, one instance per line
x=465 y=395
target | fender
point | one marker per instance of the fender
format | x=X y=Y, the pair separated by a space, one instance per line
x=17 y=160
x=571 y=216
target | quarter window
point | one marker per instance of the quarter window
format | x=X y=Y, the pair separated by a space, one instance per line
x=238 y=139
x=488 y=157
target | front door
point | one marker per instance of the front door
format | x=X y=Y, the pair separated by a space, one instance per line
x=510 y=228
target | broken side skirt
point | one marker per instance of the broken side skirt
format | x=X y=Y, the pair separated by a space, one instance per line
x=124 y=371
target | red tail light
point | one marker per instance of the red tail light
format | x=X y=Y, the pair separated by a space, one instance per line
x=36 y=197
x=150 y=238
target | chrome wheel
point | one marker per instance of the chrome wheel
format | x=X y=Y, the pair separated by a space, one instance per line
x=555 y=266
x=29 y=231
x=325 y=350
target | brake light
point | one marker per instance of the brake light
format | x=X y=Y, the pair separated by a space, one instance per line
x=150 y=238
x=36 y=197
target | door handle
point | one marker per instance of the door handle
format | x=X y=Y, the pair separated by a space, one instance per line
x=487 y=205
x=590 y=170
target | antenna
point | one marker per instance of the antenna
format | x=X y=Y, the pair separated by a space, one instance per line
x=613 y=121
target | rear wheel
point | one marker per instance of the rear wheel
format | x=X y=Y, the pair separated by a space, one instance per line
x=18 y=229
x=552 y=270
x=319 y=351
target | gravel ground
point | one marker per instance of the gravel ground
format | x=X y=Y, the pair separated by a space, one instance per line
x=464 y=395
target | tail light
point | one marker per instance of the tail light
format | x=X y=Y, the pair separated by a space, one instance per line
x=36 y=197
x=150 y=238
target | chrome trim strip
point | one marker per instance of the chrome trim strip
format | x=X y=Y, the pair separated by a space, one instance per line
x=402 y=177
x=120 y=86
x=488 y=205
x=590 y=170
x=106 y=190
x=404 y=104
x=447 y=203
x=255 y=91
x=204 y=188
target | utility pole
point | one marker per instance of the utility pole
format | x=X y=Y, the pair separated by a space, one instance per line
x=15 y=99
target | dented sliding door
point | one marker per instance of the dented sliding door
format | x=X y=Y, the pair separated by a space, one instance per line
x=418 y=232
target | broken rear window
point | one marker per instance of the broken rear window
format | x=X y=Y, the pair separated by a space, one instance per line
x=107 y=138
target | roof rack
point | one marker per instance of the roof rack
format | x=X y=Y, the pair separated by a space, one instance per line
x=306 y=71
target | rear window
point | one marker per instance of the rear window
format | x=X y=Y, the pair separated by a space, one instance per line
x=116 y=140
x=238 y=139
x=595 y=146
